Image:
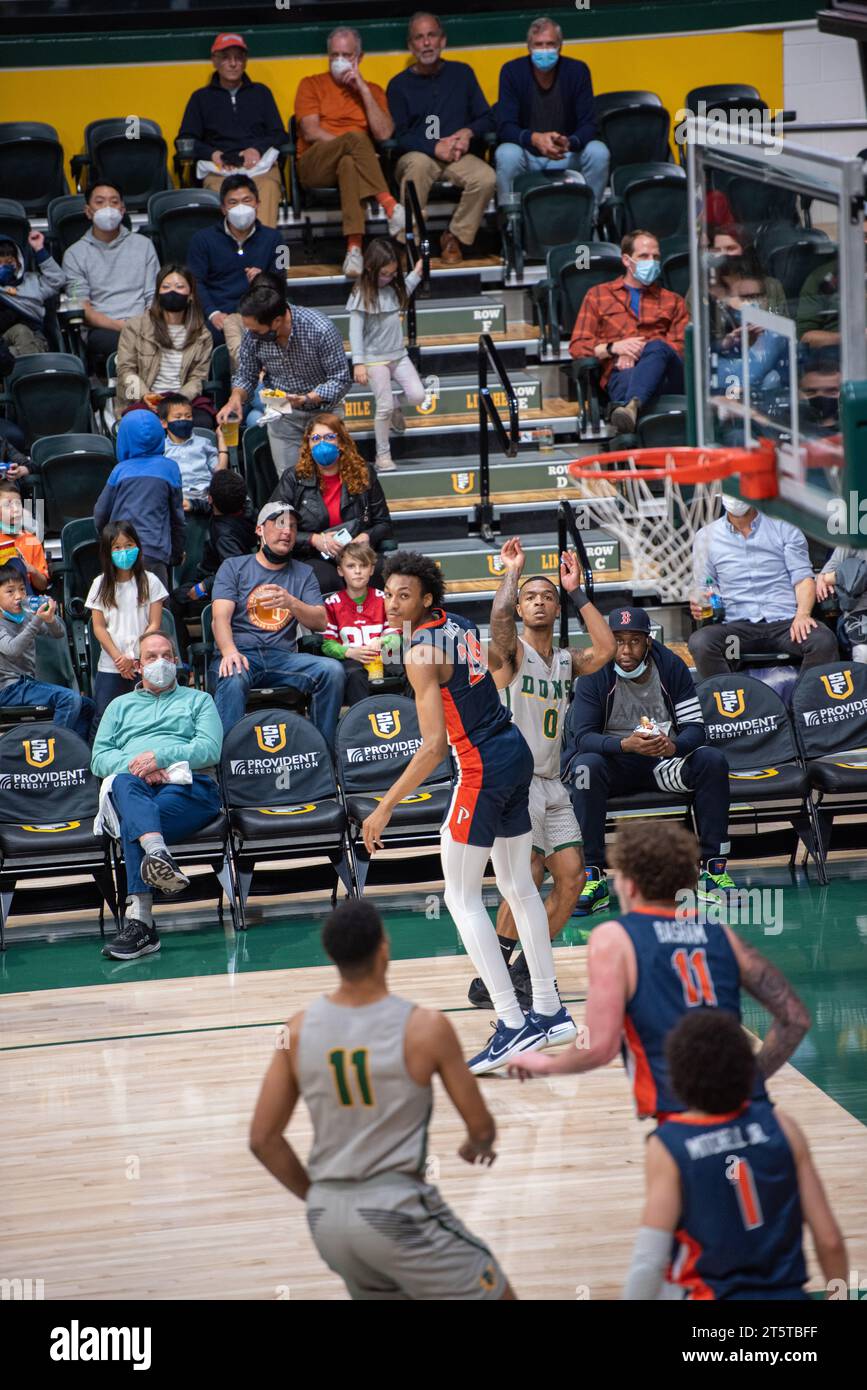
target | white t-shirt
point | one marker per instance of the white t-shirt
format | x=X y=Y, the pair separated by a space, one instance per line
x=168 y=377
x=128 y=619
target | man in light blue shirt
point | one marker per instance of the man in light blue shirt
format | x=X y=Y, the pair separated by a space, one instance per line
x=761 y=569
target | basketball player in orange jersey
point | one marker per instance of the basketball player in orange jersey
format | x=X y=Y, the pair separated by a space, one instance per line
x=729 y=1182
x=459 y=707
x=657 y=961
x=363 y=1061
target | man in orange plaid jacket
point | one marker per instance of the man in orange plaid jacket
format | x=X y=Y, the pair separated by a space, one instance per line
x=635 y=328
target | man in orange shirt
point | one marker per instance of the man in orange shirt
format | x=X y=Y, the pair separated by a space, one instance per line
x=18 y=544
x=636 y=329
x=339 y=116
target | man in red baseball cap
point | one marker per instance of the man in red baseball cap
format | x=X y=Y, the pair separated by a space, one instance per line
x=234 y=123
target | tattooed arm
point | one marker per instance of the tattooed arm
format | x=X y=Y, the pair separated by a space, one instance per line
x=770 y=986
x=504 y=654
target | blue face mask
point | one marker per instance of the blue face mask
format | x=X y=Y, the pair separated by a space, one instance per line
x=7 y=274
x=631 y=675
x=181 y=429
x=647 y=271
x=14 y=617
x=325 y=453
x=544 y=58
x=125 y=559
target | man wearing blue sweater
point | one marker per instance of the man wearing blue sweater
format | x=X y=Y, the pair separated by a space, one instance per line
x=227 y=257
x=145 y=487
x=545 y=115
x=637 y=725
x=439 y=112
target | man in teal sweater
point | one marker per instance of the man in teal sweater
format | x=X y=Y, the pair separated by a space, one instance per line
x=140 y=737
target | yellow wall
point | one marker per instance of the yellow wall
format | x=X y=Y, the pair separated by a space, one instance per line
x=70 y=97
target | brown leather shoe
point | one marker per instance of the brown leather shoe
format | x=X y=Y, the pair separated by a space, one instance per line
x=624 y=418
x=450 y=249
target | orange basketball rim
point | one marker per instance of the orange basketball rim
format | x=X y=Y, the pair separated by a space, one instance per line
x=756 y=468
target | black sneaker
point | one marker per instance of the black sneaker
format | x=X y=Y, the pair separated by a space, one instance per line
x=134 y=939
x=159 y=870
x=478 y=994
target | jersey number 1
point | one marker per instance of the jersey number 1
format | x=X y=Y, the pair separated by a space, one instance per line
x=694 y=975
x=358 y=1059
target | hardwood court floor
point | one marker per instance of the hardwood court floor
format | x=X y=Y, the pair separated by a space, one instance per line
x=124 y=1152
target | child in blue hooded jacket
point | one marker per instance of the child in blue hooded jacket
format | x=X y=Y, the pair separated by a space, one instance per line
x=145 y=487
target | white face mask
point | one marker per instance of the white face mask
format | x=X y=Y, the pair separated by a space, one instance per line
x=160 y=673
x=734 y=506
x=340 y=65
x=107 y=219
x=242 y=216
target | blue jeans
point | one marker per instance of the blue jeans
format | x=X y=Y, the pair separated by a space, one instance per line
x=658 y=371
x=318 y=676
x=107 y=685
x=256 y=409
x=67 y=709
x=592 y=162
x=175 y=812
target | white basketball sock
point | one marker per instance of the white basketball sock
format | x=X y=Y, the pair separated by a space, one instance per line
x=511 y=861
x=463 y=871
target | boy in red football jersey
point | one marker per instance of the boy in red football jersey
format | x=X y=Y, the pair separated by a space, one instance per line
x=357 y=630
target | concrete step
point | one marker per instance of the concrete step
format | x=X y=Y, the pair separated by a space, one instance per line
x=437 y=485
x=471 y=567
x=451 y=399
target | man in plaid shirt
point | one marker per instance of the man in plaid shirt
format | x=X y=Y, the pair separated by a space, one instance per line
x=636 y=329
x=301 y=353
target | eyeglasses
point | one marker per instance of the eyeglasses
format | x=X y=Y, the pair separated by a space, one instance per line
x=323 y=438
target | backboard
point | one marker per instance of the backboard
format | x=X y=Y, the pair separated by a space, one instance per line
x=779 y=326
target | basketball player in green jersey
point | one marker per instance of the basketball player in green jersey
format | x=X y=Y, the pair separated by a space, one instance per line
x=363 y=1060
x=535 y=680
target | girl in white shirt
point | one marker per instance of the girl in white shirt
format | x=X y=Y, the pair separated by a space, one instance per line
x=127 y=603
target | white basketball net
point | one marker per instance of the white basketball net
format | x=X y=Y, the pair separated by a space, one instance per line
x=655 y=523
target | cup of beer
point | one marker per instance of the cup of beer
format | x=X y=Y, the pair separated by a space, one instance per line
x=375 y=669
x=230 y=428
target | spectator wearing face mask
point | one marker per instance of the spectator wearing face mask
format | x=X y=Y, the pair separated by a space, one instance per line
x=168 y=349
x=226 y=258
x=19 y=543
x=339 y=116
x=111 y=269
x=236 y=125
x=819 y=392
x=161 y=746
x=24 y=294
x=127 y=604
x=146 y=485
x=844 y=577
x=635 y=328
x=761 y=569
x=546 y=120
x=19 y=629
x=768 y=353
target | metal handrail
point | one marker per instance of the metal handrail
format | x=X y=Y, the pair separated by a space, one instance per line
x=567 y=529
x=489 y=414
x=415 y=249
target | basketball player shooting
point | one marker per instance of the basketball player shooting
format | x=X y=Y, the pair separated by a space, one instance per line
x=458 y=706
x=535 y=684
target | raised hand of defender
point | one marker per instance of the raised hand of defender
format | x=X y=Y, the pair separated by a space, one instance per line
x=512 y=555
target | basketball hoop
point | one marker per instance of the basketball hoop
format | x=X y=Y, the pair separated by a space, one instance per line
x=657 y=526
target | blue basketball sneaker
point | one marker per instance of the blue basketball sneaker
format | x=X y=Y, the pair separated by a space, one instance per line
x=594 y=896
x=558 y=1027
x=505 y=1044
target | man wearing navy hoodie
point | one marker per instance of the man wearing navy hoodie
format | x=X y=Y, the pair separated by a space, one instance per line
x=637 y=725
x=145 y=487
x=545 y=115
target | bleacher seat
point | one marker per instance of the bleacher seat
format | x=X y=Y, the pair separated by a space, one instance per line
x=31 y=164
x=48 y=801
x=49 y=393
x=634 y=125
x=280 y=794
x=375 y=741
x=567 y=279
x=70 y=471
x=174 y=217
x=749 y=723
x=829 y=711
x=135 y=163
x=14 y=223
x=651 y=195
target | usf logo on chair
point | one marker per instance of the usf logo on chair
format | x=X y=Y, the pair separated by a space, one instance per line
x=838 y=684
x=38 y=752
x=385 y=722
x=730 y=703
x=271 y=737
